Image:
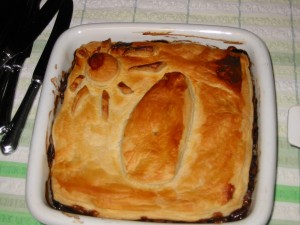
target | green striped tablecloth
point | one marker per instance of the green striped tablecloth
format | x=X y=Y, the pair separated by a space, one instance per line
x=277 y=22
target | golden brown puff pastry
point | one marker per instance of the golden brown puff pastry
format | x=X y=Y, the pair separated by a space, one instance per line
x=154 y=130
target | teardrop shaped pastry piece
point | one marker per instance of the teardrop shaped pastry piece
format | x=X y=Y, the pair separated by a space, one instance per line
x=80 y=57
x=81 y=94
x=105 y=105
x=102 y=67
x=150 y=67
x=139 y=51
x=77 y=81
x=125 y=89
x=154 y=132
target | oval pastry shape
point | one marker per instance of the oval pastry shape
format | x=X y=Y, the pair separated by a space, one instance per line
x=154 y=134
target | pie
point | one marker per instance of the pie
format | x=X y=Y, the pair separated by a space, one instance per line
x=155 y=130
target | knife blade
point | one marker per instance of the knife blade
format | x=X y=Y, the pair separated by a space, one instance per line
x=11 y=138
x=16 y=45
x=7 y=10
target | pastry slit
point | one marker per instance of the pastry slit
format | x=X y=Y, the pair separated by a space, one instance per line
x=105 y=105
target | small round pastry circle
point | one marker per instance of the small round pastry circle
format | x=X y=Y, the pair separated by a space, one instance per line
x=103 y=67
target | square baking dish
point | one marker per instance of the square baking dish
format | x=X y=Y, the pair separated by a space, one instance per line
x=222 y=37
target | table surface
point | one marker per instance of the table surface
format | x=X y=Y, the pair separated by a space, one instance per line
x=277 y=22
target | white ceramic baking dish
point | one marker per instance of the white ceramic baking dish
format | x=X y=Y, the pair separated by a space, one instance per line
x=61 y=59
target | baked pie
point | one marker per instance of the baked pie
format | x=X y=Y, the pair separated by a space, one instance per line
x=156 y=131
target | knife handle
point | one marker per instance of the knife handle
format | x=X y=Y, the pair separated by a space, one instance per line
x=8 y=83
x=4 y=118
x=5 y=56
x=10 y=140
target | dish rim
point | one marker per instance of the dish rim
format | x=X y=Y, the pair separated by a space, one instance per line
x=264 y=190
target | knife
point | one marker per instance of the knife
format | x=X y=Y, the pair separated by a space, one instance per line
x=29 y=33
x=9 y=74
x=11 y=138
x=8 y=82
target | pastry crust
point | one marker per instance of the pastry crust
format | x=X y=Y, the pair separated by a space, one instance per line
x=156 y=130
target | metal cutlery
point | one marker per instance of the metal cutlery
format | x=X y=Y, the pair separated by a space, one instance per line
x=21 y=13
x=10 y=139
x=17 y=45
